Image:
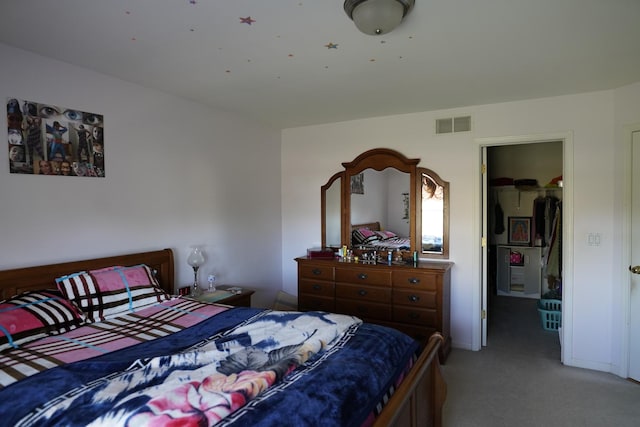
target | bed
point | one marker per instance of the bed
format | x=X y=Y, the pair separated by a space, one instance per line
x=371 y=236
x=165 y=359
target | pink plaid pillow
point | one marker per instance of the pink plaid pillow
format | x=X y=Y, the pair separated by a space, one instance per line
x=35 y=314
x=386 y=234
x=363 y=236
x=102 y=294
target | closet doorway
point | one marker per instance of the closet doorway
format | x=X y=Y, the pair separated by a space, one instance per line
x=522 y=227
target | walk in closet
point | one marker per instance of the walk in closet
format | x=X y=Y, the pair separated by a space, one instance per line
x=525 y=219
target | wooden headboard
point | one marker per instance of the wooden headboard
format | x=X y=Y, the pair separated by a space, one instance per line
x=15 y=281
x=374 y=226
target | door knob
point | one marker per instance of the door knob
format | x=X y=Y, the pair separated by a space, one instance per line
x=635 y=269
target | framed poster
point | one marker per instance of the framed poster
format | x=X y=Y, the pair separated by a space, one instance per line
x=45 y=139
x=357 y=184
x=520 y=230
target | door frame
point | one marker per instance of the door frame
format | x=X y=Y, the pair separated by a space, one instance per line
x=625 y=259
x=566 y=337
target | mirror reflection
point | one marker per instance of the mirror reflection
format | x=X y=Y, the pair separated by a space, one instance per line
x=434 y=217
x=380 y=210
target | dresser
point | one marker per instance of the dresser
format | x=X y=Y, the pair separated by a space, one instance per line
x=412 y=299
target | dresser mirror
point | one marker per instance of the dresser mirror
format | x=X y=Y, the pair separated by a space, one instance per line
x=433 y=220
x=383 y=189
x=330 y=201
x=384 y=198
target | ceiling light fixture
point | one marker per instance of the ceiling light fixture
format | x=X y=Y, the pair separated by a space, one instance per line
x=375 y=17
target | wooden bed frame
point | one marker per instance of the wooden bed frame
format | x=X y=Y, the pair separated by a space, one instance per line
x=418 y=400
x=13 y=282
x=373 y=226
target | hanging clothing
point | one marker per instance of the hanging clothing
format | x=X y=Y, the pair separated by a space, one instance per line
x=539 y=219
x=544 y=212
x=553 y=254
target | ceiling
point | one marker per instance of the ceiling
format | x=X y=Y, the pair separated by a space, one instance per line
x=289 y=63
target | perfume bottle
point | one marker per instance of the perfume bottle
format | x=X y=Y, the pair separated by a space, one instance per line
x=211 y=278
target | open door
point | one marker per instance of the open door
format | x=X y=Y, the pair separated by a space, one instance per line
x=485 y=245
x=493 y=151
x=634 y=297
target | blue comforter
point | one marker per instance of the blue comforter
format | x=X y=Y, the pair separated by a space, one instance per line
x=241 y=367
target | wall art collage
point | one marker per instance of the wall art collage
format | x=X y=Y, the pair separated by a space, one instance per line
x=46 y=139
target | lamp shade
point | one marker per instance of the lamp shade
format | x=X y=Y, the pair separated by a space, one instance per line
x=196 y=257
x=375 y=17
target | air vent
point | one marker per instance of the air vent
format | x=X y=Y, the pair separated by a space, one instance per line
x=462 y=124
x=444 y=125
x=453 y=124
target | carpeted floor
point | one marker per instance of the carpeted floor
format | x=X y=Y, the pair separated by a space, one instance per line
x=518 y=380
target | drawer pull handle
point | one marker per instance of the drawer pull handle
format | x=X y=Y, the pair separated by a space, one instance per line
x=414 y=298
x=414 y=280
x=414 y=316
x=316 y=287
x=362 y=309
x=362 y=292
x=362 y=276
x=316 y=271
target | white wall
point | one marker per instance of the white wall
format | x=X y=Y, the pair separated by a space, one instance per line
x=589 y=121
x=177 y=174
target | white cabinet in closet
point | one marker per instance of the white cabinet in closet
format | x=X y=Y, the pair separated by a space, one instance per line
x=523 y=279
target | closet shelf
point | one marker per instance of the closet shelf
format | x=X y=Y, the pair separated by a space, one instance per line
x=505 y=188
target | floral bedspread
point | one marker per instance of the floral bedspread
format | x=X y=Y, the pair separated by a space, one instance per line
x=267 y=360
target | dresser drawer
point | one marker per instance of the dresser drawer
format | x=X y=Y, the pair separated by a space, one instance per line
x=315 y=303
x=363 y=276
x=381 y=294
x=415 y=280
x=316 y=287
x=315 y=271
x=414 y=298
x=364 y=309
x=415 y=315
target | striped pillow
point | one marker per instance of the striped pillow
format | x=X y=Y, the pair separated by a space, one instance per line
x=364 y=236
x=106 y=293
x=386 y=234
x=34 y=314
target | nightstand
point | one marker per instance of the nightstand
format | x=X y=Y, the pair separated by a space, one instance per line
x=220 y=296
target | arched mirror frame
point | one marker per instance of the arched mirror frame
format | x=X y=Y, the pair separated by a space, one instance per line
x=377 y=159
x=323 y=205
x=380 y=159
x=444 y=254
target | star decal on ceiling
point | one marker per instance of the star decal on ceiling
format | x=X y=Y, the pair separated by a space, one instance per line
x=247 y=20
x=331 y=45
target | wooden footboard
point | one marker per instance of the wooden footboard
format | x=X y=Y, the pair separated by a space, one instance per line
x=419 y=399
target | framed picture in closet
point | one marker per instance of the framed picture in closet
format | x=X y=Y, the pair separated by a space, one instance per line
x=520 y=230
